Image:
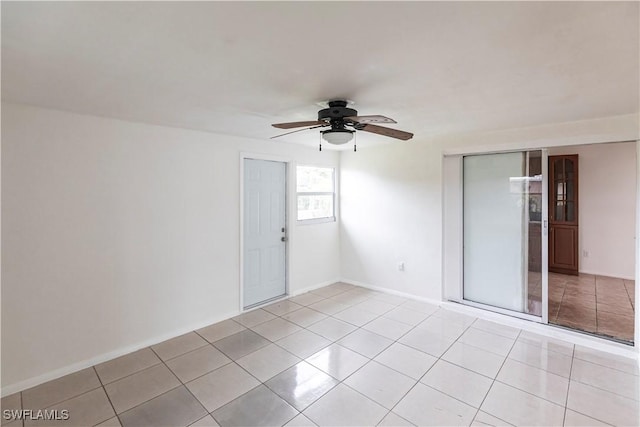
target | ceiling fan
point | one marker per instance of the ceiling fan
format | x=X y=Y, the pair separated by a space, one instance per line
x=343 y=122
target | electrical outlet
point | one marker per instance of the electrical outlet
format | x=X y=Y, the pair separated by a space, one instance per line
x=585 y=254
x=401 y=266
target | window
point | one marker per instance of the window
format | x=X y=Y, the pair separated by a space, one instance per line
x=316 y=193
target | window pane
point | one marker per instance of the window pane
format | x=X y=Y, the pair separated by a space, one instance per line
x=313 y=207
x=313 y=179
x=571 y=212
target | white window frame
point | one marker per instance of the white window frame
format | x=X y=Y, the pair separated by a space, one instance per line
x=317 y=193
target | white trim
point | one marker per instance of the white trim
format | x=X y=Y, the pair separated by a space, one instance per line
x=262 y=156
x=616 y=276
x=87 y=363
x=536 y=145
x=452 y=225
x=544 y=238
x=314 y=287
x=526 y=233
x=317 y=220
x=637 y=294
x=289 y=165
x=512 y=313
x=577 y=338
x=391 y=291
x=105 y=357
x=334 y=193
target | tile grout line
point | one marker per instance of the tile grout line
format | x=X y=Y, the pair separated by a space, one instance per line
x=624 y=285
x=249 y=373
x=538 y=367
x=22 y=407
x=250 y=390
x=596 y=331
x=382 y=351
x=70 y=397
x=349 y=306
x=564 y=289
x=596 y=298
x=183 y=384
x=161 y=394
x=598 y=388
x=603 y=389
x=133 y=373
x=566 y=401
x=108 y=397
x=609 y=367
x=367 y=357
x=264 y=383
x=419 y=381
x=159 y=362
x=372 y=360
x=496 y=377
x=190 y=351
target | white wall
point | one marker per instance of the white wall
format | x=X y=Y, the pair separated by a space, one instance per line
x=120 y=234
x=607 y=211
x=391 y=213
x=392 y=198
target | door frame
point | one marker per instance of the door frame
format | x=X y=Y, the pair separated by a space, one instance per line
x=452 y=275
x=288 y=179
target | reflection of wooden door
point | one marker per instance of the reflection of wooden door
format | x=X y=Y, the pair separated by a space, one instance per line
x=563 y=214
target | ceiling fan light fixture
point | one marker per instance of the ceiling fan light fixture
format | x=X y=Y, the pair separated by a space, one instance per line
x=337 y=136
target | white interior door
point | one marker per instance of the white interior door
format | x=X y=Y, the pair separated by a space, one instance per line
x=264 y=238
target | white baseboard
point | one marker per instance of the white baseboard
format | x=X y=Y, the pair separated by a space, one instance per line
x=392 y=291
x=617 y=276
x=313 y=287
x=573 y=337
x=78 y=366
x=527 y=325
x=551 y=331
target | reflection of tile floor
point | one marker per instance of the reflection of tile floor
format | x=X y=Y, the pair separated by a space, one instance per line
x=596 y=304
x=361 y=358
x=535 y=293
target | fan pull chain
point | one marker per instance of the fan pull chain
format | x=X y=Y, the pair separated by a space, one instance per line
x=320 y=134
x=355 y=137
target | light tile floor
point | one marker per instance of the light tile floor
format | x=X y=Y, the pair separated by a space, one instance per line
x=347 y=356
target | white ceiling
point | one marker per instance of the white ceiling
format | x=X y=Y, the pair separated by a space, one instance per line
x=234 y=68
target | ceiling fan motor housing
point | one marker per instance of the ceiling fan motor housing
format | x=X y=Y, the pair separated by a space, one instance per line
x=335 y=114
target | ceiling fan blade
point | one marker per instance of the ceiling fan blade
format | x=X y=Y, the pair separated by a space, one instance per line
x=292 y=125
x=300 y=130
x=393 y=133
x=370 y=119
